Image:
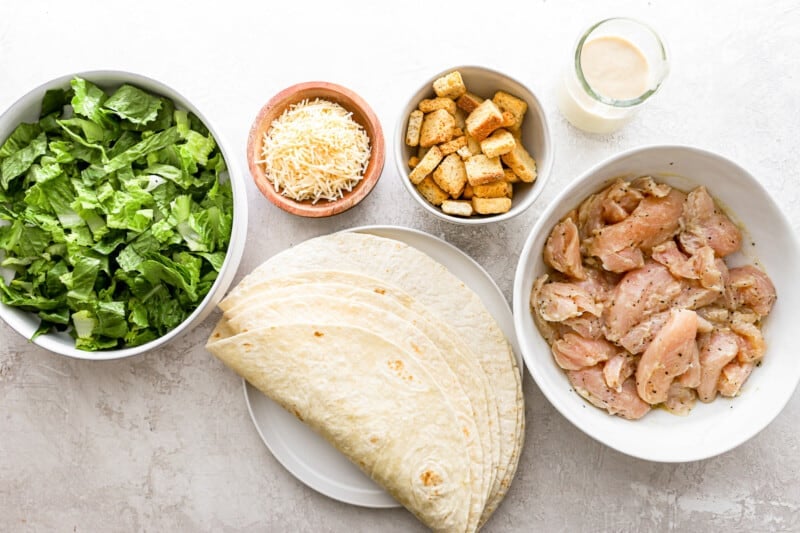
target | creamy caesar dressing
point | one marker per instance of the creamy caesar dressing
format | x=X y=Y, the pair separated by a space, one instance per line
x=615 y=68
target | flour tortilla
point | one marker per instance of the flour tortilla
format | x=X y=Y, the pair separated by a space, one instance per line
x=373 y=402
x=442 y=293
x=364 y=289
x=308 y=304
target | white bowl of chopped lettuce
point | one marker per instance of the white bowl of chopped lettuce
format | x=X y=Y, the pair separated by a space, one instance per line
x=122 y=215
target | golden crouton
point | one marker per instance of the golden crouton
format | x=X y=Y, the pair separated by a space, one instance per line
x=426 y=165
x=461 y=118
x=512 y=104
x=451 y=176
x=482 y=169
x=491 y=206
x=486 y=118
x=454 y=145
x=414 y=125
x=437 y=127
x=509 y=176
x=498 y=143
x=473 y=144
x=450 y=86
x=468 y=102
x=464 y=151
x=508 y=120
x=431 y=191
x=468 y=193
x=520 y=161
x=429 y=105
x=457 y=132
x=496 y=189
x=459 y=208
x=413 y=161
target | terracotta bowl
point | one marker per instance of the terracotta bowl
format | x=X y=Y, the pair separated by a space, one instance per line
x=362 y=114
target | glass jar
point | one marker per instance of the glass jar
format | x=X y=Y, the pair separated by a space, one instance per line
x=601 y=91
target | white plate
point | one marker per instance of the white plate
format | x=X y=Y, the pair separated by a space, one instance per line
x=307 y=455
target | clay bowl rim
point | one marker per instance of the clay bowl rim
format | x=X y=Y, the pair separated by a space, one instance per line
x=350 y=101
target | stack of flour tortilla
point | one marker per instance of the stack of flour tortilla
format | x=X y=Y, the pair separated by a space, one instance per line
x=393 y=360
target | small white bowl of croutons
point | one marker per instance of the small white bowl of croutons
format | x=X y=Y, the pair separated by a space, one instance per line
x=655 y=304
x=473 y=146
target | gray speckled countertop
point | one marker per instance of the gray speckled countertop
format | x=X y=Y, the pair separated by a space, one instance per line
x=163 y=442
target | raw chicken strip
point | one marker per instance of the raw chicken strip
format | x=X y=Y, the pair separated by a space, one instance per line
x=573 y=352
x=639 y=337
x=549 y=330
x=680 y=399
x=733 y=377
x=667 y=357
x=701 y=266
x=647 y=185
x=717 y=349
x=653 y=221
x=691 y=378
x=749 y=286
x=706 y=225
x=563 y=249
x=619 y=201
x=590 y=384
x=590 y=215
x=618 y=369
x=750 y=340
x=641 y=293
x=559 y=301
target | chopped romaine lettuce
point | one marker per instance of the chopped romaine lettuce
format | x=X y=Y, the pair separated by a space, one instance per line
x=115 y=221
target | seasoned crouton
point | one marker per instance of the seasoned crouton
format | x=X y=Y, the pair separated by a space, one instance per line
x=464 y=151
x=473 y=145
x=437 y=127
x=457 y=132
x=454 y=145
x=468 y=193
x=451 y=175
x=413 y=161
x=520 y=161
x=414 y=125
x=491 y=206
x=461 y=118
x=508 y=120
x=498 y=143
x=509 y=176
x=431 y=191
x=496 y=189
x=512 y=104
x=450 y=86
x=426 y=165
x=482 y=169
x=468 y=102
x=486 y=118
x=429 y=105
x=459 y=208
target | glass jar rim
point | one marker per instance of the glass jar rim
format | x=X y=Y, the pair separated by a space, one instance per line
x=631 y=102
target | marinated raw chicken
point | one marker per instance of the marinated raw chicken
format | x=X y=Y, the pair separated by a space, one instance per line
x=641 y=309
x=717 y=349
x=667 y=357
x=589 y=383
x=573 y=352
x=705 y=225
x=619 y=246
x=563 y=249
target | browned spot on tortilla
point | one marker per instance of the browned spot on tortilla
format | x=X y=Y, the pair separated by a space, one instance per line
x=217 y=335
x=396 y=365
x=297 y=414
x=380 y=291
x=465 y=431
x=373 y=440
x=430 y=479
x=247 y=346
x=416 y=348
x=318 y=334
x=245 y=330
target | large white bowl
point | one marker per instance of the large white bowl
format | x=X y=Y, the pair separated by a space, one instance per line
x=26 y=109
x=710 y=429
x=535 y=137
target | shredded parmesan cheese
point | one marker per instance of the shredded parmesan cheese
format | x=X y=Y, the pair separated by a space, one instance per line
x=315 y=150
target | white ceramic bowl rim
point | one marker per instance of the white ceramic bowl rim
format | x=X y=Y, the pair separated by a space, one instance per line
x=61 y=343
x=544 y=161
x=595 y=422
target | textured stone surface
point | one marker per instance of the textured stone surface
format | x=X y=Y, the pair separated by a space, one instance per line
x=164 y=443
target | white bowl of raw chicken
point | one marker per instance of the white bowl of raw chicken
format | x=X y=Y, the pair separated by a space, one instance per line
x=768 y=242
